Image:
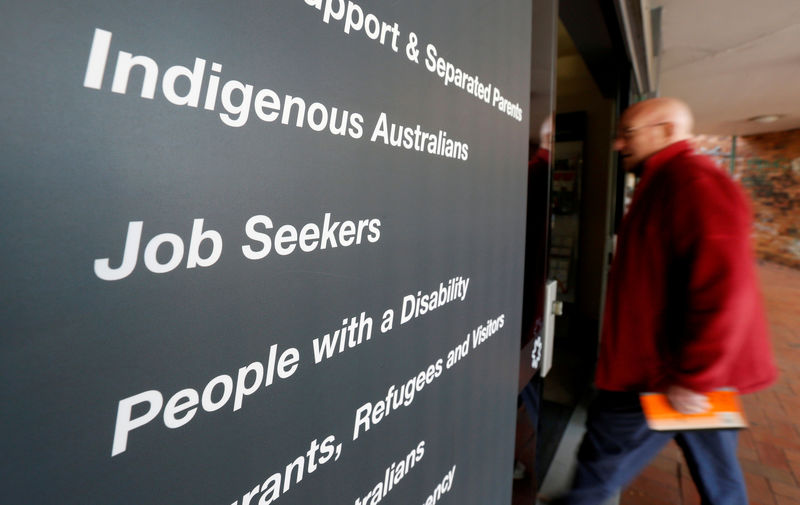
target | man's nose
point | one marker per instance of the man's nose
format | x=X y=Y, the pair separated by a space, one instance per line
x=618 y=144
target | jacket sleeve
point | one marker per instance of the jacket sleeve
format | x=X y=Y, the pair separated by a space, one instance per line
x=711 y=231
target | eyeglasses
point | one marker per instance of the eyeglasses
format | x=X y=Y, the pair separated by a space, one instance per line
x=628 y=133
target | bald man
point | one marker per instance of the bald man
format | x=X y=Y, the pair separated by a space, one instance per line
x=683 y=313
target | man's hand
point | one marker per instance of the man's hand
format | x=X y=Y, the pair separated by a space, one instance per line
x=687 y=401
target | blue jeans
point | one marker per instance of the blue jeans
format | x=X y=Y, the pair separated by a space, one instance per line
x=618 y=445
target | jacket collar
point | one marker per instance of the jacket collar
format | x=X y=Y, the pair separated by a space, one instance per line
x=662 y=157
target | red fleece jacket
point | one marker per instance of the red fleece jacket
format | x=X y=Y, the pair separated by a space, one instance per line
x=683 y=304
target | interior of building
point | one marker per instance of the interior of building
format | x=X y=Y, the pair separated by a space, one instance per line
x=609 y=55
x=388 y=255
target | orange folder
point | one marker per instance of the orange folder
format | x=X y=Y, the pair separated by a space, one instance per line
x=725 y=412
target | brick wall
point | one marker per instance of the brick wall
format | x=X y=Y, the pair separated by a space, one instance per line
x=768 y=166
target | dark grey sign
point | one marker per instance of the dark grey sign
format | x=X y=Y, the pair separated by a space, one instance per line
x=261 y=252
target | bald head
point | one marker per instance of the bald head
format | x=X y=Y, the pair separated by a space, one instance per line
x=665 y=110
x=649 y=126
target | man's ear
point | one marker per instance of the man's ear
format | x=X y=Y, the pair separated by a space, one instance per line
x=669 y=129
